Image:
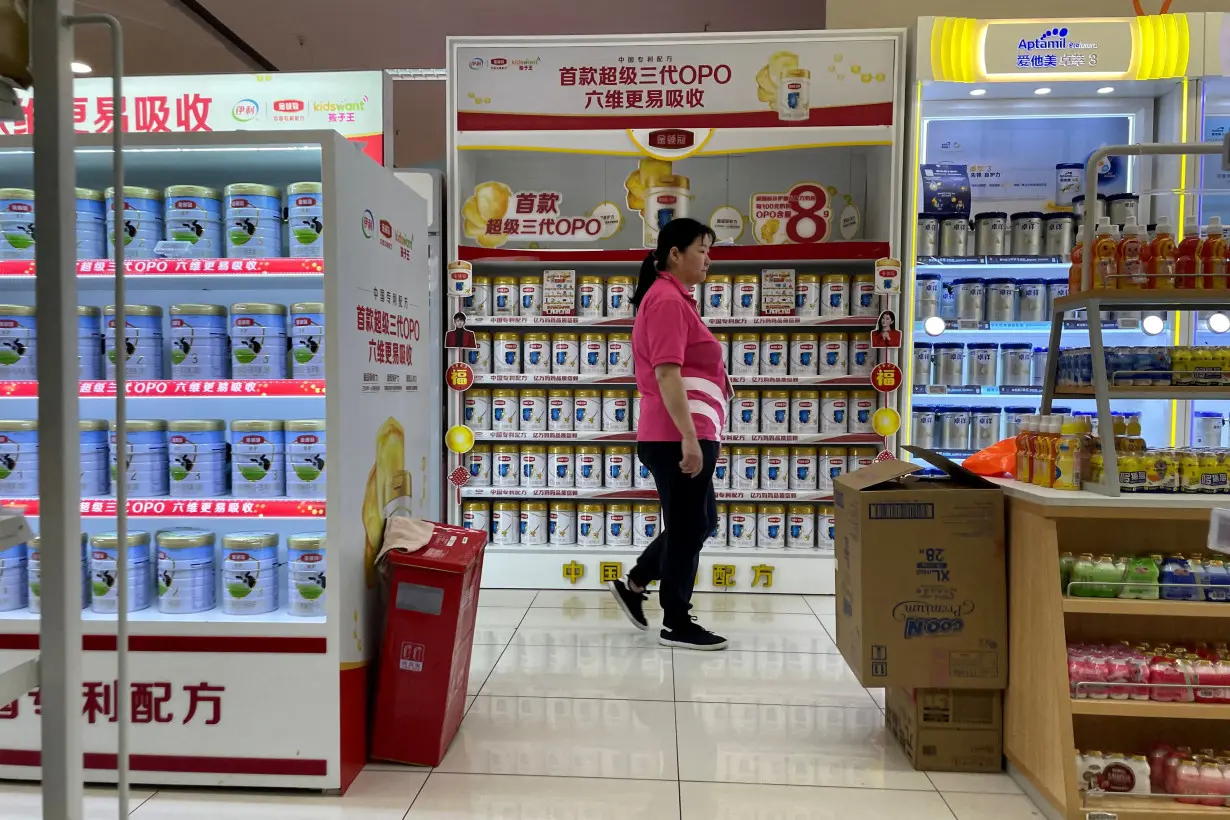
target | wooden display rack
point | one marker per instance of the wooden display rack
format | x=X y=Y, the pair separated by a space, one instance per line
x=1043 y=725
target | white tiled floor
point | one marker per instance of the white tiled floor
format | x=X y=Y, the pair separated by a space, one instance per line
x=575 y=714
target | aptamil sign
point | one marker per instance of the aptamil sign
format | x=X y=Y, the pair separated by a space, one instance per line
x=1041 y=48
x=1053 y=39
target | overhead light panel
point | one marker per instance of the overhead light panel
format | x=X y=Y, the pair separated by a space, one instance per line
x=1106 y=89
x=81 y=68
x=1042 y=91
x=977 y=92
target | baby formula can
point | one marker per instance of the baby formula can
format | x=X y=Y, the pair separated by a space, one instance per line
x=479 y=358
x=745 y=412
x=807 y=296
x=306 y=569
x=618 y=467
x=955 y=237
x=775 y=411
x=636 y=409
x=863 y=295
x=984 y=427
x=619 y=354
x=922 y=426
x=619 y=525
x=1015 y=362
x=949 y=363
x=478 y=303
x=142 y=342
x=826 y=527
x=258 y=340
x=745 y=354
x=862 y=408
x=834 y=411
x=804 y=468
x=590 y=297
x=718 y=296
x=142 y=221
x=200 y=348
x=774 y=355
x=561 y=466
x=478 y=462
x=723 y=340
x=34 y=573
x=529 y=297
x=193 y=222
x=953 y=425
x=565 y=354
x=1055 y=290
x=505 y=465
x=619 y=290
x=535 y=525
x=591 y=525
x=587 y=411
x=91 y=224
x=18 y=343
x=95 y=464
x=721 y=469
x=926 y=295
x=800 y=527
x=1038 y=368
x=505 y=523
x=666 y=199
x=834 y=354
x=476 y=515
x=991 y=233
x=1069 y=181
x=145 y=457
x=505 y=411
x=1002 y=296
x=477 y=412
x=833 y=461
x=589 y=467
x=720 y=534
x=1122 y=207
x=17 y=224
x=616 y=411
x=105 y=554
x=1028 y=238
x=1012 y=419
x=804 y=354
x=1033 y=306
x=834 y=294
x=506 y=353
x=984 y=363
x=89 y=342
x=249 y=573
x=15 y=568
x=970 y=296
x=305 y=212
x=185 y=570
x=928 y=235
x=771 y=526
x=199 y=458
x=862 y=356
x=793 y=88
x=505 y=296
x=1060 y=230
x=1207 y=426
x=646 y=524
x=258 y=456
x=642 y=479
x=593 y=354
x=775 y=468
x=859 y=457
x=253 y=221
x=305 y=458
x=536 y=354
x=533 y=411
x=562 y=526
x=559 y=410
x=924 y=359
x=746 y=302
x=744 y=468
x=742 y=525
x=805 y=412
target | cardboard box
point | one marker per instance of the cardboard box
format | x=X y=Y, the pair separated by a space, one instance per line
x=948 y=730
x=921 y=586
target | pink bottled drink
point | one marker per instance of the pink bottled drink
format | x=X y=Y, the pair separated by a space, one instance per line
x=1118 y=676
x=1187 y=782
x=1158 y=753
x=1213 y=784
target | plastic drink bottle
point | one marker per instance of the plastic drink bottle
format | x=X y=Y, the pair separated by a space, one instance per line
x=1160 y=257
x=1024 y=459
x=1129 y=262
x=1187 y=258
x=1105 y=250
x=1213 y=255
x=1069 y=454
x=1074 y=270
x=1044 y=461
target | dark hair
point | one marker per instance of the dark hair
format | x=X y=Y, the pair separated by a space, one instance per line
x=678 y=233
x=459 y=315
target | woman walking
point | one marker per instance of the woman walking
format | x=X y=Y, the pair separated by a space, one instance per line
x=681 y=376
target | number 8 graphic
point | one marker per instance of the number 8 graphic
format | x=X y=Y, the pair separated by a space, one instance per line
x=813 y=216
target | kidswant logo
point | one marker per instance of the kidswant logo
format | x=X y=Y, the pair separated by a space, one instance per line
x=1054 y=39
x=368 y=224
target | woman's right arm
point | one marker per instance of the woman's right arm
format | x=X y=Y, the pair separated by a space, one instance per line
x=675 y=398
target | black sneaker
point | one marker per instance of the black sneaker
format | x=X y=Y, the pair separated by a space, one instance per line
x=632 y=603
x=692 y=636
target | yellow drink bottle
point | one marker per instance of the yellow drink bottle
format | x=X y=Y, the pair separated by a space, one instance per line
x=1069 y=454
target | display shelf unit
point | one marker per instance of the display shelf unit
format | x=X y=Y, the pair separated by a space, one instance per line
x=611 y=494
x=836 y=439
x=786 y=322
x=1142 y=608
x=837 y=253
x=208 y=389
x=1150 y=709
x=509 y=379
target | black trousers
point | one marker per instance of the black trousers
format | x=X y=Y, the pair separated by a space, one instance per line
x=689 y=514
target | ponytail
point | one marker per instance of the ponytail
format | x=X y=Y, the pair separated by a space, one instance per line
x=648 y=275
x=678 y=233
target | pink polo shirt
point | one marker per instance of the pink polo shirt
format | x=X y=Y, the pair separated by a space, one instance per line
x=668 y=330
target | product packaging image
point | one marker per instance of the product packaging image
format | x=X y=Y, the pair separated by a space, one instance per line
x=948 y=730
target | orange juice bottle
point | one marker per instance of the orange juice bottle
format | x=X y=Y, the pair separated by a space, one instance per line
x=1044 y=457
x=1024 y=458
x=1105 y=252
x=1159 y=257
x=1129 y=263
x=1069 y=454
x=1213 y=256
x=1074 y=270
x=1187 y=258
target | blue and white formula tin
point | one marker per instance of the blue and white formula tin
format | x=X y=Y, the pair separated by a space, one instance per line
x=16 y=223
x=307 y=340
x=18 y=458
x=142 y=342
x=253 y=221
x=305 y=458
x=305 y=574
x=91 y=224
x=14 y=583
x=18 y=343
x=305 y=212
x=145 y=458
x=200 y=347
x=186 y=578
x=89 y=342
x=258 y=340
x=142 y=226
x=193 y=222
x=35 y=576
x=258 y=458
x=199 y=458
x=104 y=571
x=249 y=573
x=95 y=462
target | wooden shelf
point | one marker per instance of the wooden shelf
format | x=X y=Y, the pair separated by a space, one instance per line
x=1159 y=609
x=1150 y=808
x=1151 y=709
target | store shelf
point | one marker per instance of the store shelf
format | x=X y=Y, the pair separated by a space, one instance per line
x=1156 y=807
x=236 y=508
x=603 y=323
x=777 y=254
x=630 y=381
x=727 y=438
x=962 y=326
x=151 y=622
x=1145 y=299
x=190 y=270
x=1156 y=391
x=986 y=263
x=1151 y=609
x=1151 y=709
x=602 y=494
x=1079 y=503
x=180 y=388
x=976 y=390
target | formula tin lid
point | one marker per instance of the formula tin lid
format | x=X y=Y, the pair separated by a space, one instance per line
x=258 y=426
x=196 y=425
x=18 y=425
x=1066 y=165
x=111 y=540
x=16 y=193
x=89 y=193
x=1000 y=281
x=1027 y=215
x=251 y=189
x=259 y=307
x=1015 y=346
x=983 y=408
x=929 y=216
x=306 y=541
x=1081 y=198
x=136 y=192
x=1041 y=349
x=983 y=345
x=991 y=215
x=968 y=280
x=249 y=540
x=89 y=310
x=673 y=181
x=184 y=538
x=1207 y=414
x=1033 y=281
x=193 y=309
x=953 y=408
x=1122 y=197
x=135 y=310
x=304 y=425
x=928 y=276
x=924 y=408
x=16 y=310
x=198 y=191
x=92 y=425
x=307 y=307
x=924 y=345
x=304 y=188
x=143 y=425
x=1050 y=216
x=949 y=345
x=1022 y=409
x=950 y=217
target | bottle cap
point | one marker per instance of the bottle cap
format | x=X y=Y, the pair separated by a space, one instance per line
x=1214 y=225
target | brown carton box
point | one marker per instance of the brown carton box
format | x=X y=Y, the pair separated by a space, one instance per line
x=921 y=588
x=948 y=730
